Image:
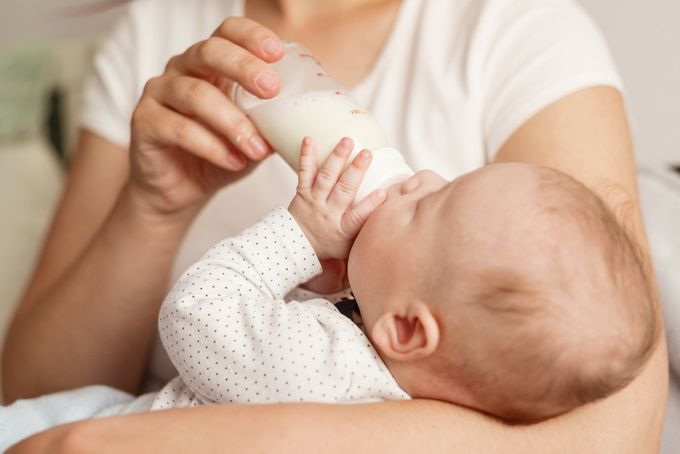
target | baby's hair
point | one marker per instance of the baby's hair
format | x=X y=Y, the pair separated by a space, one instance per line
x=565 y=341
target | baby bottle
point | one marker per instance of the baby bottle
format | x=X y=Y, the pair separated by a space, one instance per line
x=312 y=103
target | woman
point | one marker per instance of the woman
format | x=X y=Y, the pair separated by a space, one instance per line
x=456 y=84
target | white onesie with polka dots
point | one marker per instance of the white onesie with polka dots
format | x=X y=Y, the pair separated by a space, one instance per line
x=235 y=339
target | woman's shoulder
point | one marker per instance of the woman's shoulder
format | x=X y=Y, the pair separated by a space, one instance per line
x=169 y=19
x=161 y=28
x=467 y=16
x=146 y=35
x=467 y=34
x=187 y=9
x=151 y=31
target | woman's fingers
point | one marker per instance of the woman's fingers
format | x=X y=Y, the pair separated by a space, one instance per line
x=217 y=55
x=330 y=170
x=252 y=36
x=185 y=118
x=356 y=216
x=196 y=82
x=345 y=189
x=168 y=128
x=205 y=103
x=307 y=167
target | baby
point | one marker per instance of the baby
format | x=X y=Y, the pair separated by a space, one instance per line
x=511 y=290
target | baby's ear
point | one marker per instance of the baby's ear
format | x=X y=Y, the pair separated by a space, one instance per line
x=407 y=337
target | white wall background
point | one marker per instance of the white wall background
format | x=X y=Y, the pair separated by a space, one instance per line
x=644 y=37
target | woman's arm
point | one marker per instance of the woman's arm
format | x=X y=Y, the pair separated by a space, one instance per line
x=585 y=135
x=89 y=313
x=96 y=289
x=627 y=422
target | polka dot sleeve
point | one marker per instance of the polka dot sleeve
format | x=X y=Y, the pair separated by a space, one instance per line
x=231 y=335
x=234 y=339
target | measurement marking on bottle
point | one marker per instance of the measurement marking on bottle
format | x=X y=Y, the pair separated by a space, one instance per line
x=304 y=55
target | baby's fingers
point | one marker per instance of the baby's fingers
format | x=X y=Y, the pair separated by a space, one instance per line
x=330 y=170
x=356 y=216
x=345 y=189
x=307 y=167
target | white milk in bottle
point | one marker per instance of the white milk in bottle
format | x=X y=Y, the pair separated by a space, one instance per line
x=312 y=103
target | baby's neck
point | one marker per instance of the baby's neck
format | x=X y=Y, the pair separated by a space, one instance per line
x=418 y=380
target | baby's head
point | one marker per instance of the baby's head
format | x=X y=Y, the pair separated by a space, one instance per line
x=511 y=290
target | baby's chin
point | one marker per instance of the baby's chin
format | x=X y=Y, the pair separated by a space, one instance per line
x=356 y=269
x=350 y=267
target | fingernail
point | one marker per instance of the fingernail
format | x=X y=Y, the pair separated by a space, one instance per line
x=258 y=146
x=346 y=142
x=271 y=46
x=306 y=141
x=266 y=81
x=236 y=159
x=364 y=154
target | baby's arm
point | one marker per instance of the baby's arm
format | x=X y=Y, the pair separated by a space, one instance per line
x=226 y=326
x=225 y=321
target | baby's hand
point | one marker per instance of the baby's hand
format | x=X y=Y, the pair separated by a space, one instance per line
x=323 y=203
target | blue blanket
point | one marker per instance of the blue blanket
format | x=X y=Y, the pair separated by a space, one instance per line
x=27 y=417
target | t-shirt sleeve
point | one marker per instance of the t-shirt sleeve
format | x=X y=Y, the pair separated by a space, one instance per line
x=110 y=93
x=529 y=54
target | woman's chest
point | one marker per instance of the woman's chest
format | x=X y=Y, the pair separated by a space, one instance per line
x=347 y=43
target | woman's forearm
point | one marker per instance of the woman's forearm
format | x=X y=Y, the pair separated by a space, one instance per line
x=627 y=422
x=105 y=306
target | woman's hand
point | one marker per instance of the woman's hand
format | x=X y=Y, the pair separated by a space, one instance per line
x=323 y=203
x=188 y=139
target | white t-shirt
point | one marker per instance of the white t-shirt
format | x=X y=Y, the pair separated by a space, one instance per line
x=235 y=337
x=454 y=80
